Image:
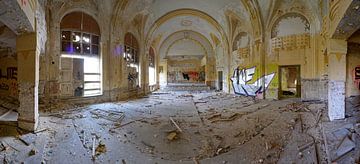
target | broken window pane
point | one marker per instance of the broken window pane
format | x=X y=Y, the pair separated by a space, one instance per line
x=86 y=38
x=65 y=35
x=77 y=48
x=86 y=48
x=76 y=37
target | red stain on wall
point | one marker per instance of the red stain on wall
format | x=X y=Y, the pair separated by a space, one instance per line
x=24 y=2
x=356 y=76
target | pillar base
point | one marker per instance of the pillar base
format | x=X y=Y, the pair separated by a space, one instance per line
x=29 y=126
x=336 y=100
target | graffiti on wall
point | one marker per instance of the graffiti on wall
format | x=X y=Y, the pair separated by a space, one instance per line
x=181 y=76
x=241 y=78
x=356 y=76
x=11 y=73
x=8 y=81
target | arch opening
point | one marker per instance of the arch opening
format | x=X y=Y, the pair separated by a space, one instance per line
x=81 y=73
x=131 y=55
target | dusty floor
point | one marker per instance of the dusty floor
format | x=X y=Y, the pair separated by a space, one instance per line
x=212 y=128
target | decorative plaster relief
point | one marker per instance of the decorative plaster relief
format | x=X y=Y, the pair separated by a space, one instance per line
x=291 y=42
x=290 y=24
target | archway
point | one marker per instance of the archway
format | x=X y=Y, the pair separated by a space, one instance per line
x=131 y=55
x=80 y=67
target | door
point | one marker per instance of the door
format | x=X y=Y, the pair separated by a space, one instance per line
x=289 y=81
x=220 y=80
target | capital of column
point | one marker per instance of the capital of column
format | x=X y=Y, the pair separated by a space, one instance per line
x=337 y=46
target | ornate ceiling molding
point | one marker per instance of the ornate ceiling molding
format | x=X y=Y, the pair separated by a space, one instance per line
x=184 y=12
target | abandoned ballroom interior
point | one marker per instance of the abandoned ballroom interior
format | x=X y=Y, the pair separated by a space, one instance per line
x=179 y=81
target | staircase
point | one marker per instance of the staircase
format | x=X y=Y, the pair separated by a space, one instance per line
x=8 y=114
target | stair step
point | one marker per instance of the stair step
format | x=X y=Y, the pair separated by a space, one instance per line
x=9 y=118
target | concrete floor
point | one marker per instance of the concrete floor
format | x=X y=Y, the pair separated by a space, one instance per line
x=216 y=128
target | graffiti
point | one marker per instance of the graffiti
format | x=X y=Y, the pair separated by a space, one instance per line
x=4 y=87
x=132 y=77
x=8 y=81
x=202 y=76
x=241 y=78
x=186 y=76
x=9 y=88
x=356 y=76
x=11 y=73
x=179 y=76
x=193 y=75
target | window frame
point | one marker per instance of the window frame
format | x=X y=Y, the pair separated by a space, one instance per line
x=72 y=50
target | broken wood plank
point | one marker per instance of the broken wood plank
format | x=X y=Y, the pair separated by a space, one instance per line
x=231 y=118
x=40 y=130
x=214 y=116
x=177 y=126
x=301 y=123
x=148 y=145
x=129 y=123
x=304 y=147
x=196 y=161
x=93 y=148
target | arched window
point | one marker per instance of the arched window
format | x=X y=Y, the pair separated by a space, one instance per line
x=131 y=49
x=80 y=55
x=152 y=73
x=131 y=55
x=290 y=24
x=290 y=31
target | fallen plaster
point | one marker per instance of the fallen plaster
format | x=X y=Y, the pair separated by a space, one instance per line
x=175 y=127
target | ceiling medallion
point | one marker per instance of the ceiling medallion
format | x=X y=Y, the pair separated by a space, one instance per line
x=186 y=23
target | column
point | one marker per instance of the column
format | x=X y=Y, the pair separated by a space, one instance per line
x=28 y=81
x=337 y=50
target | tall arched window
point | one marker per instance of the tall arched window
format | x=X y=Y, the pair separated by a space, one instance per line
x=152 y=73
x=80 y=55
x=131 y=55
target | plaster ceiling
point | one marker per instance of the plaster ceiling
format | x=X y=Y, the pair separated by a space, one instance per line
x=186 y=47
x=16 y=17
x=191 y=23
x=355 y=38
x=350 y=23
x=212 y=21
x=7 y=37
x=185 y=44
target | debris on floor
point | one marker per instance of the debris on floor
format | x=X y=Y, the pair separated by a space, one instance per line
x=108 y=115
x=201 y=127
x=101 y=148
x=172 y=136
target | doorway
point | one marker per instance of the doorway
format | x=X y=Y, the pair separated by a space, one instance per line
x=220 y=80
x=289 y=81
